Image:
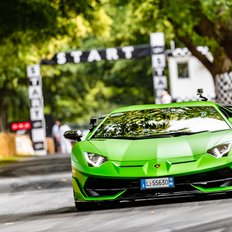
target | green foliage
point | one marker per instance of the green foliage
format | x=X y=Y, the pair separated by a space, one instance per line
x=39 y=29
x=74 y=95
x=189 y=23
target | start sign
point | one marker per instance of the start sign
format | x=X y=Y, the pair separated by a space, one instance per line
x=16 y=126
x=38 y=132
x=93 y=55
x=156 y=50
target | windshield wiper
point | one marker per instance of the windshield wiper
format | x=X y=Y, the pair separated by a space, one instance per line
x=173 y=134
x=220 y=130
x=136 y=137
x=119 y=137
x=154 y=136
x=166 y=135
x=180 y=133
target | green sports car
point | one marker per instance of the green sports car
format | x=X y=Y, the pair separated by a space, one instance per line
x=154 y=151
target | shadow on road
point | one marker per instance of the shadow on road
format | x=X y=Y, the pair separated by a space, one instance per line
x=6 y=218
x=37 y=166
x=151 y=202
x=104 y=206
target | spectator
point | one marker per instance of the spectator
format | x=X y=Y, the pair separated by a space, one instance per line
x=165 y=97
x=66 y=145
x=56 y=134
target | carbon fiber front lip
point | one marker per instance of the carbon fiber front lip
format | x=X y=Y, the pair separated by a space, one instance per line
x=184 y=185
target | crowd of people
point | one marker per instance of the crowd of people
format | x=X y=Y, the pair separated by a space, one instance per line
x=62 y=145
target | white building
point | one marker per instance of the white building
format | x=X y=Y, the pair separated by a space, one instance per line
x=187 y=74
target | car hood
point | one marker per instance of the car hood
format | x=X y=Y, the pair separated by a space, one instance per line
x=182 y=147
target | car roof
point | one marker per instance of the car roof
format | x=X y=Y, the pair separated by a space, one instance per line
x=170 y=105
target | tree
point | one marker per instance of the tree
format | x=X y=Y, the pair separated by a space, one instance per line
x=190 y=23
x=207 y=22
x=38 y=29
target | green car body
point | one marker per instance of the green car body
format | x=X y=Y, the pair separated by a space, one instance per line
x=152 y=151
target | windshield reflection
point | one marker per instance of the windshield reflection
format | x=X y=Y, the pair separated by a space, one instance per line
x=160 y=122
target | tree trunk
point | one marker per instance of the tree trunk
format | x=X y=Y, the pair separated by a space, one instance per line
x=3 y=116
x=220 y=69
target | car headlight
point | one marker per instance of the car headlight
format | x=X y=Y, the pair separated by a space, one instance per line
x=220 y=150
x=94 y=160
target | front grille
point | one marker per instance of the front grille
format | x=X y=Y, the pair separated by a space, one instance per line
x=102 y=183
x=206 y=176
x=183 y=184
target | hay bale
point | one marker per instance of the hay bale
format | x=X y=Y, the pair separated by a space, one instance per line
x=24 y=145
x=7 y=144
x=50 y=146
x=13 y=144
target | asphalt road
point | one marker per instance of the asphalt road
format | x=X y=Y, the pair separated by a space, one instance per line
x=36 y=195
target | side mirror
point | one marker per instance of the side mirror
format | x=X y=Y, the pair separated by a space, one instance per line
x=73 y=135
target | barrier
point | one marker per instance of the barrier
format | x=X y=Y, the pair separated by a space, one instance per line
x=21 y=145
x=7 y=144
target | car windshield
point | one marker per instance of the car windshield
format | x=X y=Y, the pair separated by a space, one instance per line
x=161 y=122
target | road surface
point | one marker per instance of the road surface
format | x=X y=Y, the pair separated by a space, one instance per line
x=36 y=196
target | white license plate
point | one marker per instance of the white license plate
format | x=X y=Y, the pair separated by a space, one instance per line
x=163 y=182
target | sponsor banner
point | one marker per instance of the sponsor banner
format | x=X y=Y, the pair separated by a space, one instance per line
x=33 y=71
x=37 y=124
x=38 y=129
x=36 y=113
x=36 y=102
x=39 y=147
x=35 y=91
x=156 y=50
x=158 y=64
x=160 y=82
x=93 y=55
x=158 y=61
x=38 y=134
